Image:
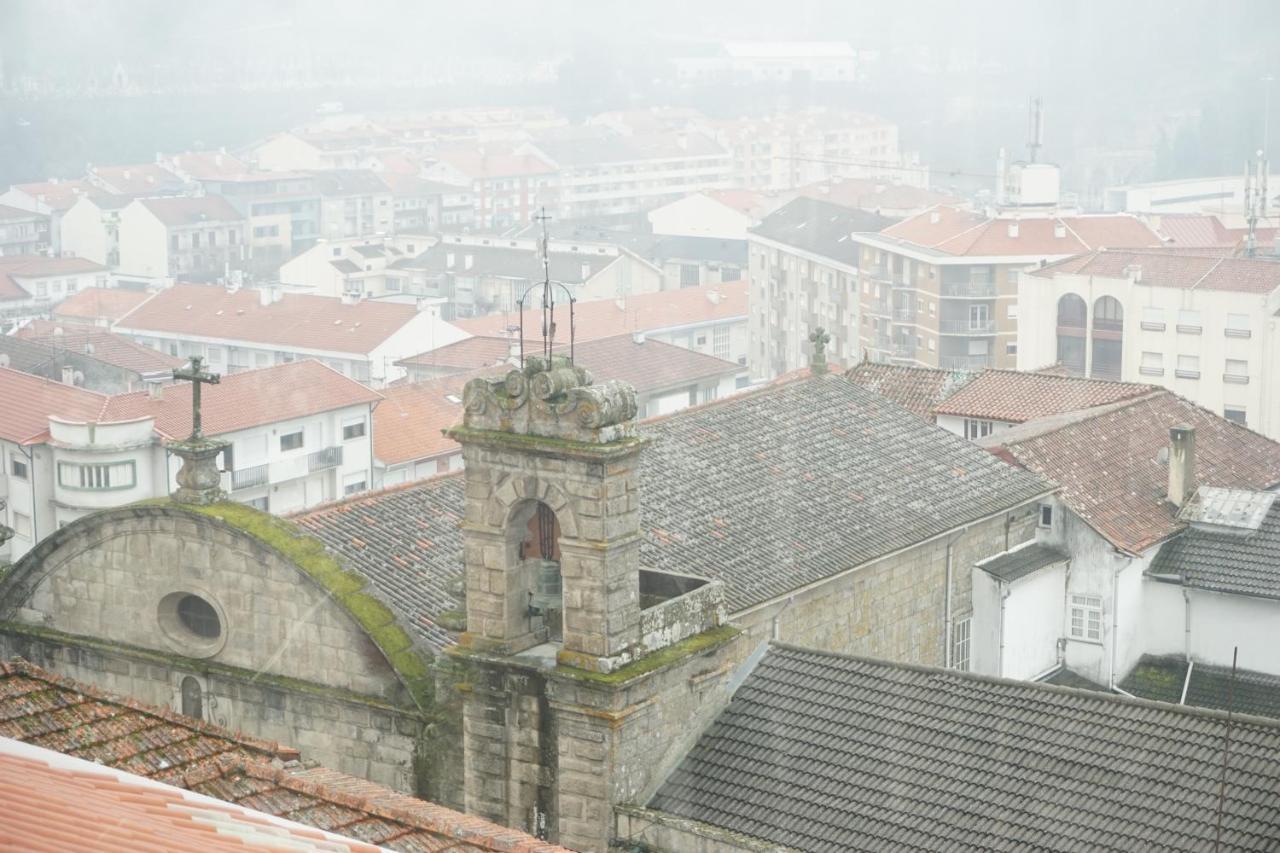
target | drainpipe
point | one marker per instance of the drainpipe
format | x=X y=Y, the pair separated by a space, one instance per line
x=1004 y=594
x=946 y=613
x=31 y=473
x=1186 y=624
x=1115 y=620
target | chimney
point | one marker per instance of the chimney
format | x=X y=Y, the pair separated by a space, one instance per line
x=935 y=217
x=1182 y=464
x=68 y=375
x=1059 y=230
x=155 y=390
x=713 y=296
x=637 y=337
x=1013 y=228
x=217 y=159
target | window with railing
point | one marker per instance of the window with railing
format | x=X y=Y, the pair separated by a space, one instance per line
x=108 y=476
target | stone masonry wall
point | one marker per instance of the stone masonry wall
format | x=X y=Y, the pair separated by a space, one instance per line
x=373 y=742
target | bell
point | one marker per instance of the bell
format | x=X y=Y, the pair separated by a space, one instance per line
x=546 y=593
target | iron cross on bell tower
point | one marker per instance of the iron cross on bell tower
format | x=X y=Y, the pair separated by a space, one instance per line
x=197 y=376
x=548 y=287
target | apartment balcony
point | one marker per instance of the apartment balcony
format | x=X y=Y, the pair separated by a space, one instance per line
x=879 y=309
x=968 y=290
x=904 y=315
x=255 y=475
x=903 y=350
x=964 y=362
x=967 y=327
x=330 y=457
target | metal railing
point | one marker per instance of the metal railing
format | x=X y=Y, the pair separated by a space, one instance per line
x=903 y=350
x=969 y=289
x=904 y=315
x=964 y=362
x=255 y=475
x=329 y=457
x=967 y=327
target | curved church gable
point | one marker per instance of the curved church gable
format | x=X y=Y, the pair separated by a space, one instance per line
x=231 y=615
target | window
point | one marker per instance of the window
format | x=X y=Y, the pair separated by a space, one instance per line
x=192 y=698
x=701 y=340
x=1152 y=364
x=353 y=429
x=215 y=355
x=42 y=288
x=173 y=243
x=18 y=467
x=22 y=525
x=1237 y=372
x=1189 y=321
x=262 y=504
x=1153 y=318
x=960 y=644
x=337 y=251
x=688 y=275
x=720 y=342
x=1012 y=311
x=96 y=477
x=1012 y=277
x=199 y=617
x=195 y=239
x=291 y=441
x=1046 y=515
x=1188 y=367
x=1235 y=415
x=1086 y=618
x=1237 y=326
x=974 y=428
x=353 y=483
x=979 y=317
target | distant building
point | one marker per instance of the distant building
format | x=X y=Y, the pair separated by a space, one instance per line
x=1188 y=195
x=282 y=210
x=193 y=238
x=940 y=289
x=1199 y=325
x=718 y=214
x=354 y=203
x=506 y=187
x=421 y=206
x=299 y=434
x=33 y=285
x=91 y=227
x=51 y=198
x=743 y=62
x=478 y=274
x=136 y=181
x=241 y=329
x=803 y=275
x=362 y=266
x=23 y=232
x=99 y=305
x=85 y=356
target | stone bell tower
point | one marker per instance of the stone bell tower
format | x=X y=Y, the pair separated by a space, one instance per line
x=558 y=650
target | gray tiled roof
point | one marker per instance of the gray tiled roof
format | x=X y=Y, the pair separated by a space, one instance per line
x=1232 y=562
x=820 y=227
x=1162 y=678
x=1065 y=677
x=768 y=491
x=826 y=752
x=1022 y=561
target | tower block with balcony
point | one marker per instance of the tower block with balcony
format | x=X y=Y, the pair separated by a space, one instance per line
x=581 y=670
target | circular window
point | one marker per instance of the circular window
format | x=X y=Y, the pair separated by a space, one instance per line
x=199 y=617
x=192 y=622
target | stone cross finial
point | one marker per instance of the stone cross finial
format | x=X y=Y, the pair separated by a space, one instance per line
x=198 y=376
x=819 y=338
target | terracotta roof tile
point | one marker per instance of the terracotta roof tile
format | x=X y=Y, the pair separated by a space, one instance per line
x=138 y=179
x=916 y=389
x=245 y=399
x=100 y=303
x=1013 y=397
x=1108 y=466
x=58 y=195
x=1182 y=270
x=29 y=400
x=297 y=321
x=179 y=211
x=647 y=312
x=970 y=233
x=100 y=344
x=407 y=424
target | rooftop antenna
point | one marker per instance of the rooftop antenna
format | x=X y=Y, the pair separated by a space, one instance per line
x=1255 y=200
x=548 y=300
x=1226 y=750
x=1035 y=128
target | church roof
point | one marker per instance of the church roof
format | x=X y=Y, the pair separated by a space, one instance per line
x=827 y=752
x=69 y=717
x=767 y=490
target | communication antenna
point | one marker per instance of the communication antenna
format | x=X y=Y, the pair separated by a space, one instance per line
x=549 y=288
x=1255 y=200
x=1035 y=128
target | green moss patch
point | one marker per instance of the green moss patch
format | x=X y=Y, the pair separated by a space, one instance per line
x=343 y=585
x=656 y=660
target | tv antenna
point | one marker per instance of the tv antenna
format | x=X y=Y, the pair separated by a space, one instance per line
x=1255 y=200
x=1035 y=128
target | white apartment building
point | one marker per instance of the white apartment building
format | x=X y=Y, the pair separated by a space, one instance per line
x=1203 y=327
x=50 y=198
x=91 y=227
x=363 y=266
x=200 y=238
x=239 y=329
x=33 y=285
x=23 y=232
x=300 y=434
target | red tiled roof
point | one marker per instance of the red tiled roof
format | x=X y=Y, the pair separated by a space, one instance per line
x=969 y=233
x=178 y=211
x=1175 y=270
x=58 y=195
x=14 y=267
x=649 y=366
x=646 y=312
x=407 y=424
x=209 y=165
x=466 y=354
x=51 y=711
x=875 y=195
x=246 y=399
x=297 y=320
x=1109 y=469
x=1013 y=397
x=8 y=213
x=100 y=303
x=29 y=400
x=493 y=163
x=916 y=389
x=138 y=179
x=100 y=344
x=1195 y=230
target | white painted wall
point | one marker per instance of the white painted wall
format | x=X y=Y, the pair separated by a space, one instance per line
x=84 y=231
x=699 y=215
x=1033 y=623
x=1218 y=622
x=287 y=153
x=984 y=629
x=144 y=243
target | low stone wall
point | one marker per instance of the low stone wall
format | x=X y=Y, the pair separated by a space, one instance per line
x=637 y=827
x=683 y=616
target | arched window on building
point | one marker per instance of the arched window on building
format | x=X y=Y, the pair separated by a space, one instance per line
x=539 y=555
x=1072 y=319
x=192 y=698
x=1108 y=338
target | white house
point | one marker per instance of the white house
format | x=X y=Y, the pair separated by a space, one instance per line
x=91 y=227
x=238 y=329
x=50 y=198
x=361 y=266
x=300 y=434
x=725 y=214
x=1099 y=587
x=1201 y=326
x=191 y=238
x=33 y=285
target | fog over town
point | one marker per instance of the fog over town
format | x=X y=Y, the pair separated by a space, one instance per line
x=720 y=426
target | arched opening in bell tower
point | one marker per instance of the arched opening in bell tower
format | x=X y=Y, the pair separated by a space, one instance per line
x=537 y=530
